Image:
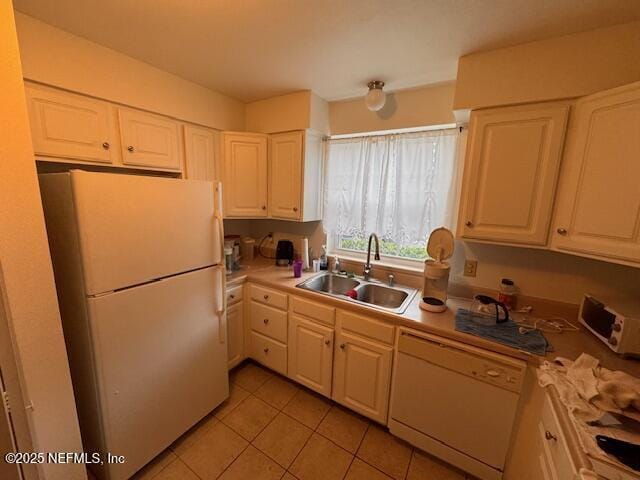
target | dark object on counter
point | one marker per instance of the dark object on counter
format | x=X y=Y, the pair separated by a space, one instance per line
x=284 y=253
x=487 y=300
x=625 y=452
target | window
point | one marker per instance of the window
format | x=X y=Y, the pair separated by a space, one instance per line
x=400 y=186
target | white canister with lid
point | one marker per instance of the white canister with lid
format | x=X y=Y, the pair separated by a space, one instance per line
x=436 y=270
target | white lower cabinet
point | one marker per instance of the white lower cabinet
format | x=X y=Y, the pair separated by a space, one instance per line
x=310 y=354
x=269 y=352
x=339 y=354
x=362 y=375
x=235 y=334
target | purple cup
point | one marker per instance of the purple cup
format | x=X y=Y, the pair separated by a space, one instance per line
x=297 y=268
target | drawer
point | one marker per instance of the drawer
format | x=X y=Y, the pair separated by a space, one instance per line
x=270 y=353
x=554 y=443
x=269 y=297
x=234 y=294
x=314 y=310
x=366 y=327
x=268 y=321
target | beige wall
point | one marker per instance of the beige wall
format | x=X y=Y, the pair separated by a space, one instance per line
x=55 y=57
x=562 y=67
x=430 y=105
x=34 y=319
x=294 y=111
x=543 y=273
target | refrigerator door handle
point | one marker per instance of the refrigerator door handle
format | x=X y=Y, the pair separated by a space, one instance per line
x=219 y=220
x=221 y=307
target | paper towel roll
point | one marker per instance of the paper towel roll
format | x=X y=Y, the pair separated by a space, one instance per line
x=305 y=254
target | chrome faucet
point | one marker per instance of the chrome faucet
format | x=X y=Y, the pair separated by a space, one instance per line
x=367 y=266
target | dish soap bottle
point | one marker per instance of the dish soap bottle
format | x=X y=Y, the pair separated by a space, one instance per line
x=324 y=264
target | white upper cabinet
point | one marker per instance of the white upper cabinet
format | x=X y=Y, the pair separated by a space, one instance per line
x=285 y=187
x=511 y=170
x=200 y=153
x=295 y=187
x=598 y=213
x=245 y=174
x=71 y=127
x=149 y=140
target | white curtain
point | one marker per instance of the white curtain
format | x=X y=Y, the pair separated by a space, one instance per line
x=399 y=186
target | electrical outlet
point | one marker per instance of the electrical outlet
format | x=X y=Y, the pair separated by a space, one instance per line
x=470 y=267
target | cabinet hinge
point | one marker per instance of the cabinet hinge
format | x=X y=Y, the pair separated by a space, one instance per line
x=5 y=399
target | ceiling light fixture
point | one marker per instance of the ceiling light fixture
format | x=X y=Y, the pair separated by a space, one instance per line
x=375 y=96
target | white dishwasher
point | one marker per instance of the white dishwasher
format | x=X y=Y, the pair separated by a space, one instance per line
x=455 y=401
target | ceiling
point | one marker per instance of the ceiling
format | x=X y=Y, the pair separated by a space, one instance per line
x=254 y=49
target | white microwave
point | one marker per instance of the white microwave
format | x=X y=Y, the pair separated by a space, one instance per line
x=619 y=330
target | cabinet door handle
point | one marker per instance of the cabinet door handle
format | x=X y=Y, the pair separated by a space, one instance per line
x=562 y=231
x=266 y=350
x=550 y=436
x=265 y=321
x=469 y=223
x=266 y=297
x=295 y=209
x=106 y=145
x=327 y=342
x=130 y=148
x=264 y=207
x=232 y=296
x=342 y=346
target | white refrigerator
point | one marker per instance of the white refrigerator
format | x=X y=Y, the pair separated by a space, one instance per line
x=139 y=271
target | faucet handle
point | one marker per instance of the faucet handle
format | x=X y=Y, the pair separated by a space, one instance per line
x=392 y=280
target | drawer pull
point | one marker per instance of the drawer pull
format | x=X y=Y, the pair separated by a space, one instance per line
x=327 y=342
x=550 y=436
x=266 y=297
x=130 y=148
x=106 y=145
x=232 y=296
x=342 y=346
x=265 y=321
x=266 y=350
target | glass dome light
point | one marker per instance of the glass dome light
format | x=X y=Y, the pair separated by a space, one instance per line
x=375 y=97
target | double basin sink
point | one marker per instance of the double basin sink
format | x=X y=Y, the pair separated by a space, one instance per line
x=372 y=293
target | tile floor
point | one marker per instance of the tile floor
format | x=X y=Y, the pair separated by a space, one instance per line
x=271 y=429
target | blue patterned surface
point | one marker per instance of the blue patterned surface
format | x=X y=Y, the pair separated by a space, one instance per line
x=506 y=333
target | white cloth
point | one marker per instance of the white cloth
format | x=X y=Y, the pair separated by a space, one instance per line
x=400 y=186
x=588 y=390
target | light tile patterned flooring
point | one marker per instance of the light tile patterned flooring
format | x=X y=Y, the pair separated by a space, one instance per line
x=271 y=428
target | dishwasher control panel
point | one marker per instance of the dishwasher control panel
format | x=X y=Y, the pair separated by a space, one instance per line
x=493 y=368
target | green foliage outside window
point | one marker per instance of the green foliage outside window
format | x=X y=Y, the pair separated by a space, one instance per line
x=389 y=248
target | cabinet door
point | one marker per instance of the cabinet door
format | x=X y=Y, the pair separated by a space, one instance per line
x=511 y=170
x=235 y=334
x=310 y=354
x=149 y=141
x=361 y=375
x=199 y=150
x=285 y=196
x=70 y=126
x=599 y=204
x=245 y=175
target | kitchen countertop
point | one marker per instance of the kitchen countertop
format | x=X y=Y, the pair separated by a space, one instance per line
x=567 y=344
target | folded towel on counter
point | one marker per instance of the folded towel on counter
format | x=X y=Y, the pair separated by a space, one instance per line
x=506 y=333
x=589 y=390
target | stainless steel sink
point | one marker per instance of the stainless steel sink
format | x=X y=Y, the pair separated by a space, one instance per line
x=386 y=297
x=371 y=293
x=329 y=283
